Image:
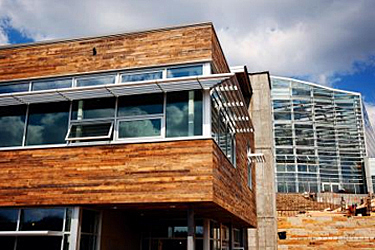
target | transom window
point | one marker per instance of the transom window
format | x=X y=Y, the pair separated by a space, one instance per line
x=100 y=79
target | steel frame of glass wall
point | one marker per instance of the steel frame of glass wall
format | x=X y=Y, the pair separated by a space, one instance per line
x=319 y=136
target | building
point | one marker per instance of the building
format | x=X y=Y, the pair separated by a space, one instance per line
x=320 y=142
x=136 y=141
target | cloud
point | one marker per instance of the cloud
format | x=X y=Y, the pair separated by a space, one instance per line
x=316 y=39
x=3 y=35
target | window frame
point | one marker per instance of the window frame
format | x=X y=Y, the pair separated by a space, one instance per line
x=89 y=122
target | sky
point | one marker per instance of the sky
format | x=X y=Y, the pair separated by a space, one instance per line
x=330 y=42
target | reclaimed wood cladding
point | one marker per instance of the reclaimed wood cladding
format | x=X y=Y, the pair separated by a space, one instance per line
x=132 y=50
x=130 y=173
x=230 y=184
x=180 y=171
x=219 y=63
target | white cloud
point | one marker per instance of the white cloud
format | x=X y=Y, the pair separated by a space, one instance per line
x=3 y=37
x=316 y=39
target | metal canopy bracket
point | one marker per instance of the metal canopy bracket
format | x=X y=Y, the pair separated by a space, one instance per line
x=257 y=158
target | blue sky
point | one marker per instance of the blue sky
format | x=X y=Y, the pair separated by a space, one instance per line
x=329 y=42
x=362 y=81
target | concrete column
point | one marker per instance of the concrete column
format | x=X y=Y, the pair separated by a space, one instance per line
x=265 y=237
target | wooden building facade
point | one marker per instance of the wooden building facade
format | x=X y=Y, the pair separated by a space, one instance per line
x=135 y=141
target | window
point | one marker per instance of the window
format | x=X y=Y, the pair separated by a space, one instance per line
x=144 y=76
x=184 y=113
x=222 y=128
x=185 y=71
x=12 y=124
x=89 y=230
x=12 y=88
x=52 y=84
x=88 y=131
x=38 y=220
x=92 y=119
x=47 y=124
x=95 y=80
x=172 y=114
x=140 y=115
x=42 y=219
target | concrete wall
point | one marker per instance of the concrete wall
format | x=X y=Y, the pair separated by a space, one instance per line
x=265 y=237
x=327 y=232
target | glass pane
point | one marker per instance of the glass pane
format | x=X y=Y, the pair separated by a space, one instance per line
x=140 y=105
x=96 y=80
x=180 y=231
x=39 y=243
x=52 y=84
x=90 y=220
x=12 y=123
x=47 y=124
x=34 y=219
x=12 y=88
x=7 y=243
x=88 y=242
x=141 y=76
x=90 y=130
x=184 y=113
x=282 y=116
x=276 y=83
x=185 y=71
x=8 y=219
x=68 y=219
x=93 y=108
x=140 y=128
x=199 y=231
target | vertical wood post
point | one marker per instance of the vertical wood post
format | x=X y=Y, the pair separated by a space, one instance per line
x=191 y=230
x=206 y=234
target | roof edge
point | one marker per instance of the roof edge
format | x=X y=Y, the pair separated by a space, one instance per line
x=74 y=39
x=317 y=85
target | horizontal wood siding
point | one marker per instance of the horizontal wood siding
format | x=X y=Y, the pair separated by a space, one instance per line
x=230 y=184
x=131 y=173
x=219 y=63
x=144 y=49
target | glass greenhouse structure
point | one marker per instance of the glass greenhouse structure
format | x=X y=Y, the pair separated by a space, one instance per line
x=320 y=143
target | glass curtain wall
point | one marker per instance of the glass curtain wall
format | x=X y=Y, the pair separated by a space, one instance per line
x=319 y=138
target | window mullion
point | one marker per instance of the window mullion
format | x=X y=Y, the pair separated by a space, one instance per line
x=164 y=118
x=26 y=124
x=115 y=132
x=18 y=220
